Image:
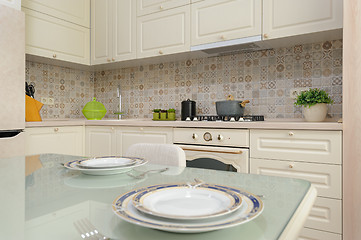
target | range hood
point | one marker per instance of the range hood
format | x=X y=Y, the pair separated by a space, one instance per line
x=248 y=44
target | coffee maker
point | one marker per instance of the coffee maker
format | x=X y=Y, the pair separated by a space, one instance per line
x=188 y=109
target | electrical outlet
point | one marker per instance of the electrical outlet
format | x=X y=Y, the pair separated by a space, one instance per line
x=296 y=91
x=50 y=101
x=44 y=100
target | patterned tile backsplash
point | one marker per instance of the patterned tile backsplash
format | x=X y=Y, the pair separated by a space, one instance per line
x=265 y=77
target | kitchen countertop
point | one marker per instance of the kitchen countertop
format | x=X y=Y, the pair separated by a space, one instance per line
x=267 y=124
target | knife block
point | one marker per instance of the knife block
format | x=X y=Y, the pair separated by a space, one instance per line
x=32 y=109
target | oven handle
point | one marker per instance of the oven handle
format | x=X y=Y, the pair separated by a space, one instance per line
x=211 y=149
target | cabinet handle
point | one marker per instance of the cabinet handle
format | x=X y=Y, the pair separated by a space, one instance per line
x=56 y=129
x=113 y=59
x=141 y=129
x=112 y=128
x=194 y=136
x=223 y=37
x=220 y=137
x=161 y=7
x=290 y=134
x=160 y=52
x=54 y=55
x=265 y=35
x=291 y=166
x=108 y=60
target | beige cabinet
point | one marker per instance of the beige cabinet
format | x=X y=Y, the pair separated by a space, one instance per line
x=12 y=3
x=61 y=140
x=113 y=31
x=77 y=12
x=283 y=18
x=51 y=37
x=152 y=6
x=222 y=20
x=315 y=156
x=164 y=32
x=127 y=136
x=99 y=141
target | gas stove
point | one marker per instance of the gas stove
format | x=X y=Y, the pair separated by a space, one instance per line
x=215 y=118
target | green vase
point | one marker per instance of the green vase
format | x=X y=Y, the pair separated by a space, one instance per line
x=171 y=116
x=156 y=116
x=163 y=116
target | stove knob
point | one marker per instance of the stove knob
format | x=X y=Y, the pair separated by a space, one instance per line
x=194 y=136
x=220 y=137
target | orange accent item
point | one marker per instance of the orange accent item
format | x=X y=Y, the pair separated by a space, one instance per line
x=32 y=109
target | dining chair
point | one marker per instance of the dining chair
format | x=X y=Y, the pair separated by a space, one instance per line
x=166 y=154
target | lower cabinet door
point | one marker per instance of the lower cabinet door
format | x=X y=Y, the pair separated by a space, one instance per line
x=312 y=234
x=99 y=141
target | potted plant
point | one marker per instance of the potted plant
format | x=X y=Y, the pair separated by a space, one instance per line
x=314 y=104
x=171 y=114
x=163 y=114
x=156 y=114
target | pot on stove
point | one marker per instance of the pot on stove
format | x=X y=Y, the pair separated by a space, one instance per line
x=188 y=109
x=231 y=107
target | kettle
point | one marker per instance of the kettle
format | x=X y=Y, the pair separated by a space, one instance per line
x=188 y=109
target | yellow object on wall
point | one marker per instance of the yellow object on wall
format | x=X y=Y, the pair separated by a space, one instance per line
x=32 y=109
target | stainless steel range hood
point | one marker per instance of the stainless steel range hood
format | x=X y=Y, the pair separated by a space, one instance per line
x=248 y=44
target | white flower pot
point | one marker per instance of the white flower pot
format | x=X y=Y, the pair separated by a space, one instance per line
x=315 y=113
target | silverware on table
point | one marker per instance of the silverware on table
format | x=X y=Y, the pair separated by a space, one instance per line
x=142 y=175
x=87 y=230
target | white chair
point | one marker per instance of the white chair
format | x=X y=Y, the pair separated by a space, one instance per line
x=166 y=154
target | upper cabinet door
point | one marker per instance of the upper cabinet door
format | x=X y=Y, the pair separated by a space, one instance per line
x=101 y=40
x=164 y=32
x=73 y=11
x=221 y=20
x=153 y=6
x=124 y=32
x=284 y=18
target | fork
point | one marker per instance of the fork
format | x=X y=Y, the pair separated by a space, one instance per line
x=88 y=230
x=140 y=176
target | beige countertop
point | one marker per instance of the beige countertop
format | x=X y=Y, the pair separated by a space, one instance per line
x=267 y=124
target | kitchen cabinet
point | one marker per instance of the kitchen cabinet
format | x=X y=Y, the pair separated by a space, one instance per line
x=77 y=12
x=127 y=136
x=61 y=140
x=113 y=33
x=163 y=32
x=222 y=20
x=145 y=7
x=283 y=18
x=12 y=3
x=51 y=37
x=315 y=156
x=100 y=141
x=312 y=234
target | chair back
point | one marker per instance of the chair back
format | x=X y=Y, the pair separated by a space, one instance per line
x=166 y=154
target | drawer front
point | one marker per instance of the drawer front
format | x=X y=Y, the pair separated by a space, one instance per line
x=312 y=234
x=225 y=137
x=153 y=6
x=326 y=215
x=326 y=178
x=297 y=145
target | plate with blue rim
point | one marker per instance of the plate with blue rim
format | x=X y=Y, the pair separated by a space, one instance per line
x=251 y=207
x=187 y=202
x=74 y=165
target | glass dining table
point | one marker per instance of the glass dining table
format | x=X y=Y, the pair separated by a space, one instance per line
x=40 y=199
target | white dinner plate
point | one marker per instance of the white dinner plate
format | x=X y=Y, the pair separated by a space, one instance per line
x=73 y=165
x=107 y=162
x=187 y=202
x=251 y=207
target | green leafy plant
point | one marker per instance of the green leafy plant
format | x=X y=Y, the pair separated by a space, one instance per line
x=156 y=110
x=171 y=110
x=312 y=97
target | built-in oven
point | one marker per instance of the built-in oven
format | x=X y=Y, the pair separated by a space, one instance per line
x=220 y=149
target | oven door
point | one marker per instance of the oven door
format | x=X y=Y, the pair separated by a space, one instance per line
x=219 y=158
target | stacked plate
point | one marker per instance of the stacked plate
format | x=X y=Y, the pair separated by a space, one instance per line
x=105 y=165
x=188 y=208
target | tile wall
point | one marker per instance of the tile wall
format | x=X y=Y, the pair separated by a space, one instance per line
x=265 y=77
